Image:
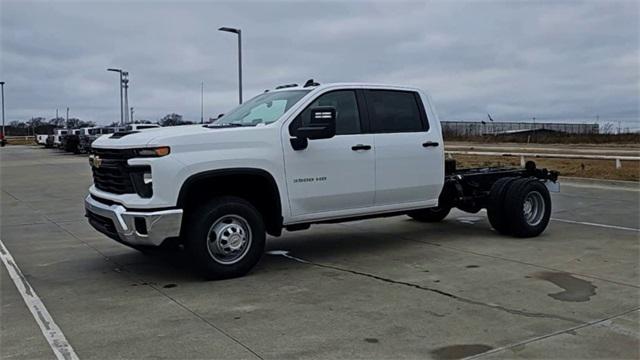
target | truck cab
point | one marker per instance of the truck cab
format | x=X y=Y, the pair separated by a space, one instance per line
x=286 y=159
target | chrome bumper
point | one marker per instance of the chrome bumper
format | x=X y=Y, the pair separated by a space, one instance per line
x=150 y=228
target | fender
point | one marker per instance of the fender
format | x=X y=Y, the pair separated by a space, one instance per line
x=274 y=224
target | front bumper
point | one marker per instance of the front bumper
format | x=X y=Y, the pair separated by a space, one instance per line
x=133 y=227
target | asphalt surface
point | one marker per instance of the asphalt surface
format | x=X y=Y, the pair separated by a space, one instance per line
x=387 y=288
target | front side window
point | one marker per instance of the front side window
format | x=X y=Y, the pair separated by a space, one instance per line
x=347 y=114
x=394 y=111
x=262 y=109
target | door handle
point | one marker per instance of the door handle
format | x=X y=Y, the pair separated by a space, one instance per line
x=430 y=143
x=361 y=147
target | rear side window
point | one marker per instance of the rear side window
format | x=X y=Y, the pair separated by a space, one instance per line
x=395 y=111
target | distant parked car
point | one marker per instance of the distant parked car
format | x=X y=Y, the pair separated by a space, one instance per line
x=54 y=140
x=69 y=142
x=87 y=138
x=41 y=139
x=138 y=127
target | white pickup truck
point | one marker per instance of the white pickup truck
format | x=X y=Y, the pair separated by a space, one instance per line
x=292 y=157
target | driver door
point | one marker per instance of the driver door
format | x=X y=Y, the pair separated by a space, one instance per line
x=331 y=177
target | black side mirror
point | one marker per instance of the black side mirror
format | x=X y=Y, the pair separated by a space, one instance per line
x=322 y=125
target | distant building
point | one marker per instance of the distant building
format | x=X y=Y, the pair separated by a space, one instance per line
x=467 y=128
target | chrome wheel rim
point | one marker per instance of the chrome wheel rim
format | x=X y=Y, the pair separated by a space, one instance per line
x=533 y=208
x=229 y=239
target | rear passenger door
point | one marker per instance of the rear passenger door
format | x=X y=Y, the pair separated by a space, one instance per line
x=409 y=154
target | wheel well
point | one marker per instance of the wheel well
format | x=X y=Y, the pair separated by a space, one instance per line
x=255 y=186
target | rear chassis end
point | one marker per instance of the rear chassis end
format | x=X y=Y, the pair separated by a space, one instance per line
x=469 y=189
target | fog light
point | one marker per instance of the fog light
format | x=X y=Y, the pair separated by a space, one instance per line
x=146 y=178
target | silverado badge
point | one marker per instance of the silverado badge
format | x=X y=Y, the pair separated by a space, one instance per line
x=95 y=161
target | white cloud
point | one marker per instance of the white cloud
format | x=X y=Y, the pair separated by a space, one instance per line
x=554 y=60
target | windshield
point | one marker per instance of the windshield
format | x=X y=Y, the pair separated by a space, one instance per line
x=262 y=109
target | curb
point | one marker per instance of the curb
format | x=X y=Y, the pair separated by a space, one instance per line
x=619 y=183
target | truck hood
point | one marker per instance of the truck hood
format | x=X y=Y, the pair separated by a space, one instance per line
x=149 y=137
x=166 y=136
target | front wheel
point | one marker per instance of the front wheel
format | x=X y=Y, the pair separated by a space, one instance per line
x=225 y=237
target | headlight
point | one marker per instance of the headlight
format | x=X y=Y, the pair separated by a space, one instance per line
x=154 y=152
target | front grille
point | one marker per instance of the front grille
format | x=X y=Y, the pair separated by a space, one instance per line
x=113 y=174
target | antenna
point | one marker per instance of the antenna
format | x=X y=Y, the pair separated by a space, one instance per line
x=310 y=83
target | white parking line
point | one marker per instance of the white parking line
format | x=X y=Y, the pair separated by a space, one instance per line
x=57 y=341
x=596 y=224
x=606 y=226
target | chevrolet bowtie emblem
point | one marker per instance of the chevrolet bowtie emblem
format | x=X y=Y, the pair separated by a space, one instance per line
x=95 y=161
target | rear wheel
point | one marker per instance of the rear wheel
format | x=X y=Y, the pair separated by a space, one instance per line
x=225 y=237
x=434 y=214
x=528 y=208
x=495 y=207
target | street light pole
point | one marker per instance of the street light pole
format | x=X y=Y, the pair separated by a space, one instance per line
x=125 y=85
x=132 y=114
x=66 y=124
x=239 y=33
x=2 y=137
x=202 y=102
x=121 y=105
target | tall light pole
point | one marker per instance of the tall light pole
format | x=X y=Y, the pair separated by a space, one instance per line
x=125 y=85
x=121 y=106
x=239 y=33
x=132 y=114
x=66 y=124
x=202 y=102
x=2 y=137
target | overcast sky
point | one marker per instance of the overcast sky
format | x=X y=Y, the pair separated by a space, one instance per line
x=555 y=60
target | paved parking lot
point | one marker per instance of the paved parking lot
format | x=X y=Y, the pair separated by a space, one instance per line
x=385 y=288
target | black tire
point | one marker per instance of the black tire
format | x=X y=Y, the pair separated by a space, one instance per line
x=528 y=208
x=495 y=207
x=231 y=215
x=434 y=214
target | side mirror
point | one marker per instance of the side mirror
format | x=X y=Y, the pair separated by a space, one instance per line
x=322 y=124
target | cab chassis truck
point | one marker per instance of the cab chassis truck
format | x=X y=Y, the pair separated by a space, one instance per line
x=292 y=157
